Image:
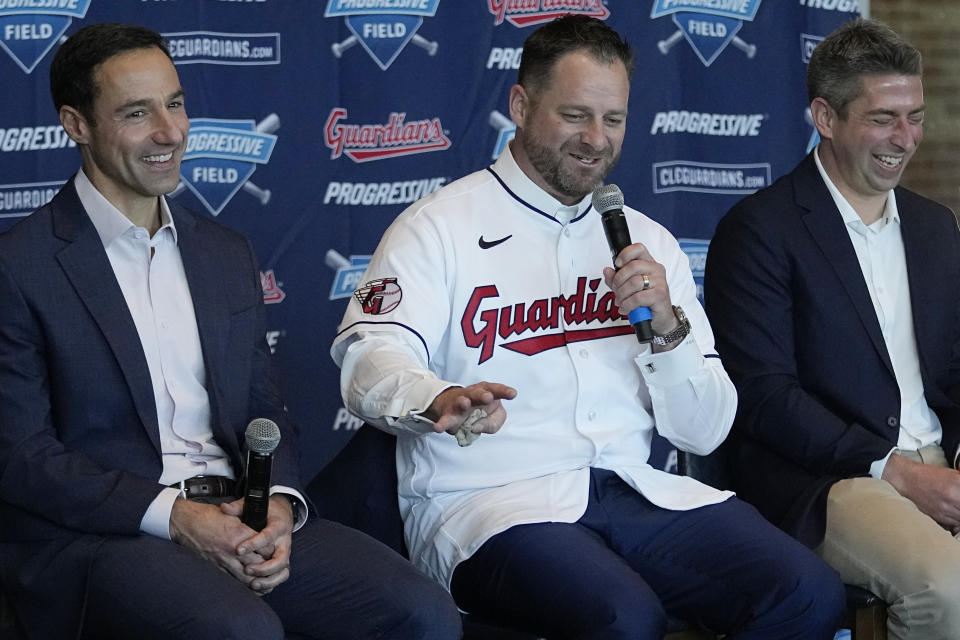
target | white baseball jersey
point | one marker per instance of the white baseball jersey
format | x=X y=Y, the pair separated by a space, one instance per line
x=492 y=279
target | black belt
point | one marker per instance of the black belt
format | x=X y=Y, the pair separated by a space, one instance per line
x=206 y=487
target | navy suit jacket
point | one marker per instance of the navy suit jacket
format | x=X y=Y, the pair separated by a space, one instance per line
x=79 y=440
x=798 y=334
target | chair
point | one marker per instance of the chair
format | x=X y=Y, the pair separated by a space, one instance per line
x=358 y=488
x=866 y=612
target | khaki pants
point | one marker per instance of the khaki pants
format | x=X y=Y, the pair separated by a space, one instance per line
x=877 y=539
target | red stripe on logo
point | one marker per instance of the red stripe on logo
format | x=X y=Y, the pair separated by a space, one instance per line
x=379 y=154
x=531 y=346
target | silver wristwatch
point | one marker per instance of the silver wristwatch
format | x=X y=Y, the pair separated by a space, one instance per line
x=677 y=334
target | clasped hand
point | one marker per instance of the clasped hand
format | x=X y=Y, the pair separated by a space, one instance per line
x=260 y=560
x=935 y=490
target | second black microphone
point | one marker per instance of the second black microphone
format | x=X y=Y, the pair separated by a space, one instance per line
x=608 y=201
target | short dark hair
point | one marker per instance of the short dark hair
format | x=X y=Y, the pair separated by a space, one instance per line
x=858 y=48
x=572 y=32
x=72 y=70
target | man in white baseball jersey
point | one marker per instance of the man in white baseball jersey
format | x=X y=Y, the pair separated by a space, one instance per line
x=496 y=293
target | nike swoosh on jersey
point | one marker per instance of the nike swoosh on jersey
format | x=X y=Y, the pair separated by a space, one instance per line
x=488 y=244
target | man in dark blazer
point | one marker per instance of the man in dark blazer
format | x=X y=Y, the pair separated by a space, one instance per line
x=132 y=357
x=835 y=295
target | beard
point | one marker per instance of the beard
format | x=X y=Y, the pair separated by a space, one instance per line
x=549 y=163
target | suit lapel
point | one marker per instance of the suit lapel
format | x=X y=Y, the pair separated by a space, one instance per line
x=85 y=263
x=919 y=243
x=828 y=231
x=212 y=309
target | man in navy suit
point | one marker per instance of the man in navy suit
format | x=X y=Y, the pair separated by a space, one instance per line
x=835 y=296
x=132 y=356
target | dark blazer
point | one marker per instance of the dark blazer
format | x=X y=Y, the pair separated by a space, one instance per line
x=798 y=333
x=79 y=440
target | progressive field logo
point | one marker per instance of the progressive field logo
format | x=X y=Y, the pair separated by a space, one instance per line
x=222 y=155
x=30 y=28
x=382 y=28
x=348 y=274
x=708 y=26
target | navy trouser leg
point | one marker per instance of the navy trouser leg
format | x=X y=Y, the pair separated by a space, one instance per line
x=151 y=589
x=559 y=580
x=614 y=573
x=343 y=585
x=722 y=565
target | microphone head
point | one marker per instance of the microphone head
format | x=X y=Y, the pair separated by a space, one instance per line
x=607 y=197
x=262 y=435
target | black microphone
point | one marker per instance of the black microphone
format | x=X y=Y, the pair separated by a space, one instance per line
x=608 y=200
x=262 y=437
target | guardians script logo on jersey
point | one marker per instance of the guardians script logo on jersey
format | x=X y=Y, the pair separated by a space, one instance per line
x=221 y=156
x=383 y=27
x=30 y=28
x=708 y=25
x=214 y=47
x=396 y=137
x=379 y=296
x=534 y=327
x=526 y=13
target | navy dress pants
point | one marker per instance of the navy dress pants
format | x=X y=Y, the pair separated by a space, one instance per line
x=343 y=585
x=626 y=564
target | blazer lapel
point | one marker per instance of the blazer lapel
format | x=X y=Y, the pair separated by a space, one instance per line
x=919 y=243
x=828 y=231
x=212 y=309
x=86 y=264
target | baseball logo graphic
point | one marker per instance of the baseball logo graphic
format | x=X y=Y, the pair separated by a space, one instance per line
x=379 y=296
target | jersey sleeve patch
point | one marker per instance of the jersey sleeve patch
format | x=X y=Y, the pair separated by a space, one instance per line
x=380 y=296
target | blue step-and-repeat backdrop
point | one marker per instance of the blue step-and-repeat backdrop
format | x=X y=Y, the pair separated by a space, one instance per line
x=315 y=122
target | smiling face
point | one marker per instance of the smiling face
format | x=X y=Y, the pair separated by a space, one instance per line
x=570 y=131
x=866 y=152
x=133 y=147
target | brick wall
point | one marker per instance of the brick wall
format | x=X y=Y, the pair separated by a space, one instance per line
x=934 y=27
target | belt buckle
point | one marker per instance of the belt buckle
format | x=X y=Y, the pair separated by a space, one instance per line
x=186 y=483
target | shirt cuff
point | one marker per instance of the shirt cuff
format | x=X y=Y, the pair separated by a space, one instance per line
x=877 y=467
x=300 y=510
x=156 y=520
x=412 y=419
x=668 y=368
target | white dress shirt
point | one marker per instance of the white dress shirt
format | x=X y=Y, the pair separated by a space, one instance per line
x=879 y=249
